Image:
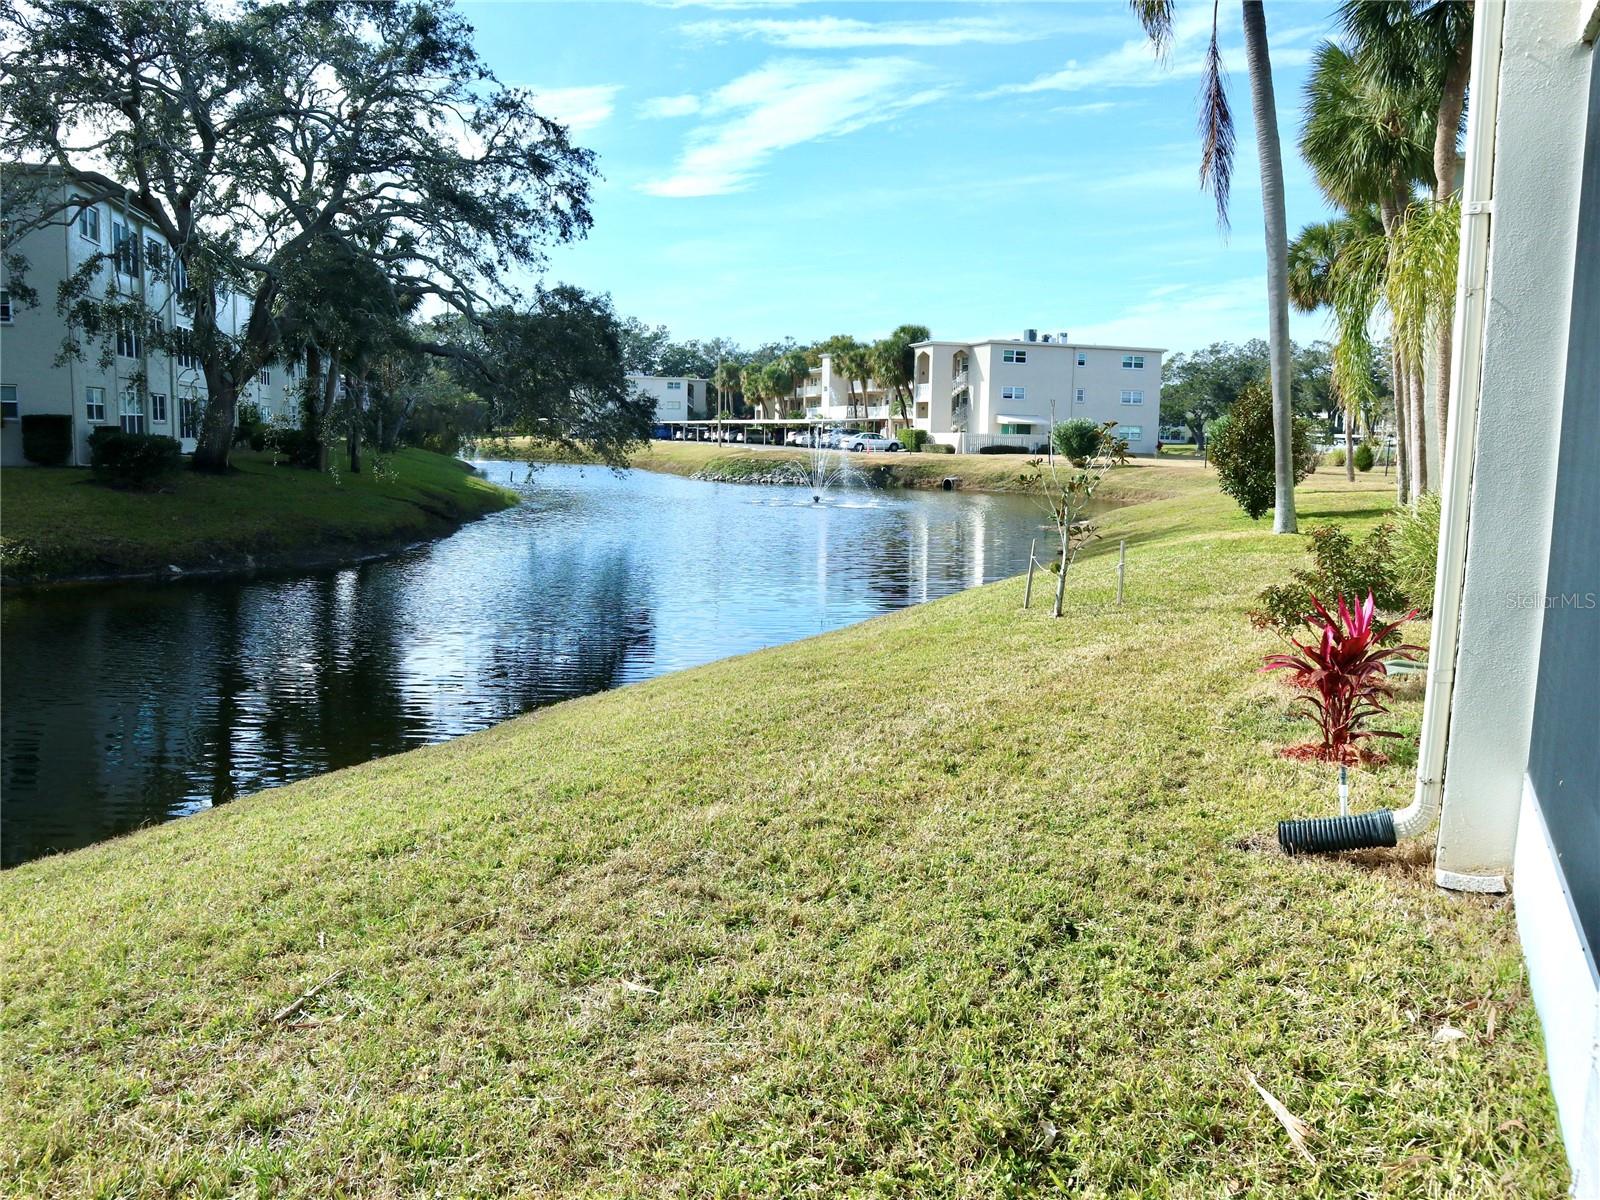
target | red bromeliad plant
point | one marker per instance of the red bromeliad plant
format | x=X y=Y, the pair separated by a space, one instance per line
x=1344 y=677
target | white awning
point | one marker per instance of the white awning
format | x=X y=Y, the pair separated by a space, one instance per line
x=1033 y=419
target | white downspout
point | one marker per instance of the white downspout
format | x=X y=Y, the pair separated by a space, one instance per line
x=1466 y=376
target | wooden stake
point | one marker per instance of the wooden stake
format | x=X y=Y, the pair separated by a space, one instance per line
x=1122 y=566
x=1027 y=592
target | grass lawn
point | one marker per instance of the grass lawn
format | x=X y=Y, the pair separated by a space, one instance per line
x=962 y=901
x=1143 y=478
x=59 y=523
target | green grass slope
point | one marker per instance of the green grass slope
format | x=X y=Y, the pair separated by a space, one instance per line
x=59 y=523
x=959 y=902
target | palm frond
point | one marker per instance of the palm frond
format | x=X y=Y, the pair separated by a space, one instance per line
x=1366 y=140
x=1216 y=128
x=1156 y=18
x=1421 y=282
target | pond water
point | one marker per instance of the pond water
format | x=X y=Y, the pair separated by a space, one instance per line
x=130 y=704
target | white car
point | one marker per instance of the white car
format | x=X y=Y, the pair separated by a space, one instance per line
x=868 y=441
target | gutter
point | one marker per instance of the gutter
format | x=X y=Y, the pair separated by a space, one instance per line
x=1384 y=827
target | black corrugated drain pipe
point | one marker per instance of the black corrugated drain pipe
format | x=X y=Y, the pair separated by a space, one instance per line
x=1326 y=835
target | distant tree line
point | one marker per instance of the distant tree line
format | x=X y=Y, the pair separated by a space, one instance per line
x=773 y=373
x=1201 y=386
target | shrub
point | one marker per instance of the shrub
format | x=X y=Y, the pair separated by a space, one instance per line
x=1240 y=447
x=912 y=439
x=1364 y=457
x=249 y=426
x=47 y=438
x=1076 y=440
x=297 y=447
x=938 y=448
x=1341 y=566
x=1416 y=552
x=999 y=449
x=132 y=459
x=1334 y=458
x=1343 y=675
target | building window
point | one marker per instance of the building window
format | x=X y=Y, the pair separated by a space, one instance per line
x=129 y=344
x=1131 y=433
x=5 y=308
x=266 y=377
x=180 y=275
x=94 y=404
x=1015 y=428
x=1132 y=397
x=1013 y=393
x=675 y=386
x=1083 y=359
x=9 y=410
x=89 y=222
x=184 y=354
x=124 y=249
x=672 y=406
x=1078 y=397
x=158 y=408
x=132 y=415
x=1014 y=356
x=189 y=417
x=1133 y=362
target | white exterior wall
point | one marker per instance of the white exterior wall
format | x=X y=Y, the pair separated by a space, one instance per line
x=30 y=344
x=1542 y=123
x=1050 y=378
x=677 y=397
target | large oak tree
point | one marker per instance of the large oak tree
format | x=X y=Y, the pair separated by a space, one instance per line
x=251 y=134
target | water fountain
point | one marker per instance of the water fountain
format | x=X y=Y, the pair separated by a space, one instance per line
x=822 y=467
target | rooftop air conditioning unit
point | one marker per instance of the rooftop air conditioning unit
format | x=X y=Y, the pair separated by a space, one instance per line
x=1062 y=336
x=1045 y=338
x=1030 y=335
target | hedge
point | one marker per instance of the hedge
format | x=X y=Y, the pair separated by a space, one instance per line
x=47 y=438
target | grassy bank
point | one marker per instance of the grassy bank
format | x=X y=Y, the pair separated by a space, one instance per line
x=61 y=524
x=962 y=901
x=1141 y=479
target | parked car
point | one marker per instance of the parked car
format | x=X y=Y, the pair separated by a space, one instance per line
x=868 y=441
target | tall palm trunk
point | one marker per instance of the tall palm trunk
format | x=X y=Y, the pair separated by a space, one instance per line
x=1419 y=434
x=1350 y=447
x=1402 y=427
x=1446 y=162
x=1264 y=107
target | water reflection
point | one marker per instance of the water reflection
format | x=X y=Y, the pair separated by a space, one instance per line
x=132 y=704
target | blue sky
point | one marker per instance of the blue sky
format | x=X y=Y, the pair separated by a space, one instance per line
x=800 y=170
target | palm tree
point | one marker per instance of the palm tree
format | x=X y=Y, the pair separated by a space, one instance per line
x=1333 y=264
x=1216 y=174
x=726 y=380
x=1425 y=44
x=1366 y=140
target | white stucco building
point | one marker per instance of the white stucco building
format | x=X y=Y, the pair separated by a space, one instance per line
x=1002 y=390
x=677 y=397
x=142 y=389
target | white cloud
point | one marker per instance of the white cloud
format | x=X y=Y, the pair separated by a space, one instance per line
x=849 y=33
x=670 y=106
x=1084 y=110
x=786 y=103
x=578 y=108
x=1184 y=316
x=1134 y=64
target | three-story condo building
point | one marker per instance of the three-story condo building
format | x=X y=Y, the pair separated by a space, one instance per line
x=1010 y=391
x=138 y=388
